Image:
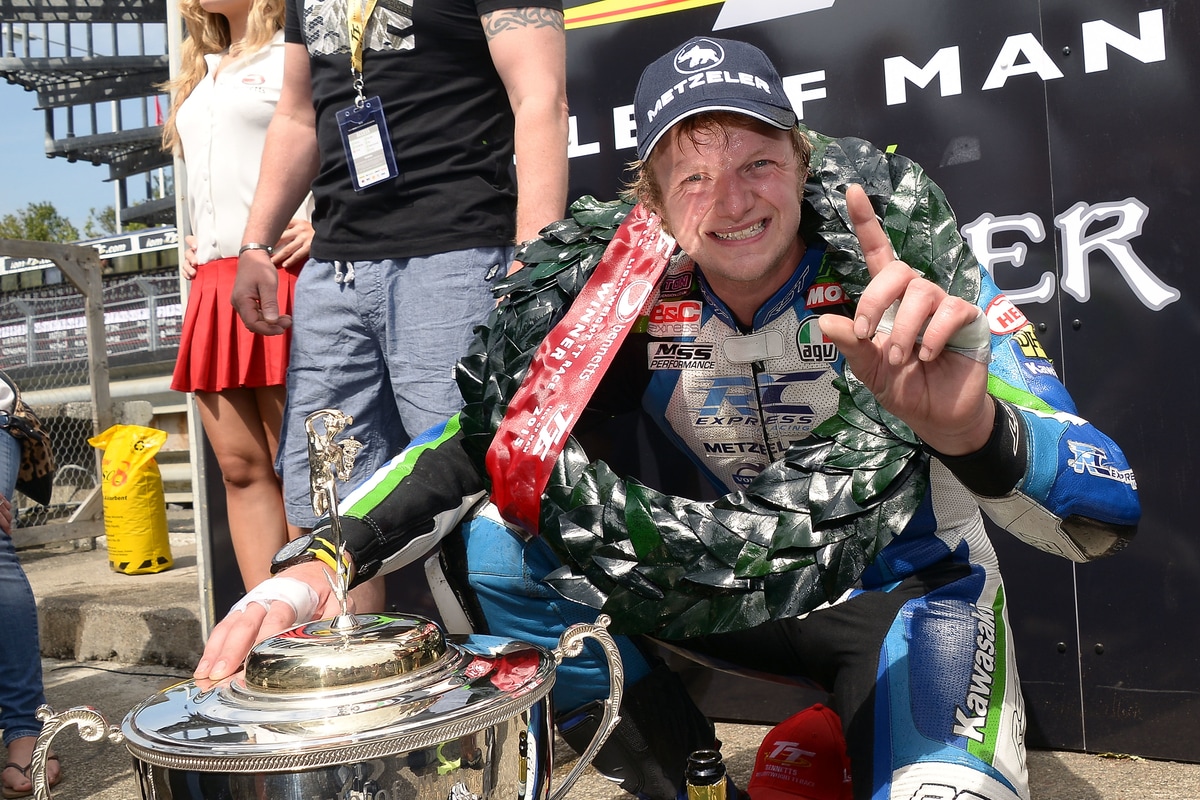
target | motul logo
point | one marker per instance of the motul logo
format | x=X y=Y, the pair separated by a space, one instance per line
x=823 y=295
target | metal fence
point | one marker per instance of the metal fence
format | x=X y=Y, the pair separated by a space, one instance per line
x=43 y=346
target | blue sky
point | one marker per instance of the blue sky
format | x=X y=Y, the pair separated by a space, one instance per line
x=27 y=176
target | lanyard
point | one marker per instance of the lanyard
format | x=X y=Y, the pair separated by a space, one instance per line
x=570 y=362
x=356 y=27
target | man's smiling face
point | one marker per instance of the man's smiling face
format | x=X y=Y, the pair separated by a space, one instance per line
x=731 y=197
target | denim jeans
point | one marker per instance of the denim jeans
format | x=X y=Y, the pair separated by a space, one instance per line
x=20 y=655
x=380 y=347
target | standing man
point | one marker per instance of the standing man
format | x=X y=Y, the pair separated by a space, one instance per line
x=861 y=407
x=404 y=119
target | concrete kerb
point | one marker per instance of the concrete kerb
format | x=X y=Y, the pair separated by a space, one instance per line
x=89 y=612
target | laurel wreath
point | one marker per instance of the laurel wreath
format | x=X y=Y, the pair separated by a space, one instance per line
x=806 y=528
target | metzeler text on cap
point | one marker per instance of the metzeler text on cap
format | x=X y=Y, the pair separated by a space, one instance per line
x=708 y=74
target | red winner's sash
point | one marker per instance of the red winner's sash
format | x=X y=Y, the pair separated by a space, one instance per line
x=570 y=362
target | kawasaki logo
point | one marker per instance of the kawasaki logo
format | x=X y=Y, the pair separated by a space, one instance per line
x=971 y=718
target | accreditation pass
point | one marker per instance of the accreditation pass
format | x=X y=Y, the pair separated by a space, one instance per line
x=367 y=144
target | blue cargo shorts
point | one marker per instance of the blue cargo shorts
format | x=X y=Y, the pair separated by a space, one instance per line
x=379 y=345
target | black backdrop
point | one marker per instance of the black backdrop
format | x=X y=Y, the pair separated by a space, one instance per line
x=1083 y=111
x=1069 y=126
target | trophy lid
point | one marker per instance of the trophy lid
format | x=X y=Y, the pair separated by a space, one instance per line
x=318 y=695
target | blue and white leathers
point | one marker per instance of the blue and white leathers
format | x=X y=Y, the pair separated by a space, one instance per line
x=918 y=656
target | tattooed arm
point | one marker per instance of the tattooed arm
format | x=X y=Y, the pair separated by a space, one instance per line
x=528 y=47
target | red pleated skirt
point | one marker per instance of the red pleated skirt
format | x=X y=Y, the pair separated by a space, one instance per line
x=216 y=351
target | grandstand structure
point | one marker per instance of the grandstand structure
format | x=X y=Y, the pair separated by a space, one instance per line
x=96 y=66
x=50 y=348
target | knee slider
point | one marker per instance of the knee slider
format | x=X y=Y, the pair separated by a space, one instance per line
x=446 y=574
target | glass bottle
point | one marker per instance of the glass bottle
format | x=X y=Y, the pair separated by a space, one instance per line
x=705 y=775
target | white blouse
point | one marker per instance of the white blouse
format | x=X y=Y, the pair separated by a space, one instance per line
x=223 y=126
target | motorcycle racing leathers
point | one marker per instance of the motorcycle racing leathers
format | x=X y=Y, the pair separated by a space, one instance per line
x=917 y=654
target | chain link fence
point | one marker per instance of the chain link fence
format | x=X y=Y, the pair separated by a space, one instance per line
x=43 y=347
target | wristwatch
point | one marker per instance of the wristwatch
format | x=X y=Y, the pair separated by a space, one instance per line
x=293 y=553
x=302 y=549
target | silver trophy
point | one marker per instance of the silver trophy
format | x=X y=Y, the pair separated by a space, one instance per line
x=331 y=460
x=355 y=707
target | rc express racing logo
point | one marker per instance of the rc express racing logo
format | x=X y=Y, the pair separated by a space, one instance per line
x=733 y=12
x=738 y=400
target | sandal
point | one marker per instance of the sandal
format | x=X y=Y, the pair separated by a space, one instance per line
x=13 y=794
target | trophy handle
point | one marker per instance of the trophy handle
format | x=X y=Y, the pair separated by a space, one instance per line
x=570 y=644
x=92 y=728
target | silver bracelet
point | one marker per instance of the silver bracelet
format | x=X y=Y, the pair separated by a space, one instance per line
x=256 y=246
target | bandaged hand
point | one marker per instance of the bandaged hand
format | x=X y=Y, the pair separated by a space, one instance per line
x=922 y=352
x=297 y=595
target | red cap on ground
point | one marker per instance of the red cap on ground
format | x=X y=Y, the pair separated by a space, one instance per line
x=803 y=757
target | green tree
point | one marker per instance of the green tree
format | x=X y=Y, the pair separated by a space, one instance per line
x=100 y=222
x=39 y=222
x=103 y=222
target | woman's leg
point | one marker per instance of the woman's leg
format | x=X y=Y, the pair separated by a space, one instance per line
x=20 y=657
x=234 y=425
x=271 y=403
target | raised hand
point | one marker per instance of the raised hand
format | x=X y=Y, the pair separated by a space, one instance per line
x=897 y=345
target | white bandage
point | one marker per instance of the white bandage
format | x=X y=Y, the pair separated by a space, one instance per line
x=297 y=594
x=972 y=340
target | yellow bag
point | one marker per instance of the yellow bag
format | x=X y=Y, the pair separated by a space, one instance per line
x=135 y=512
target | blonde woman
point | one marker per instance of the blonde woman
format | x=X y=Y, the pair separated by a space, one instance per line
x=226 y=91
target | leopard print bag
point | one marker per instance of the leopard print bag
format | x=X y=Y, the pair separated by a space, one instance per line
x=35 y=477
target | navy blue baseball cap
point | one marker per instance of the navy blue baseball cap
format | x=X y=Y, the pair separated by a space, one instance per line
x=707 y=74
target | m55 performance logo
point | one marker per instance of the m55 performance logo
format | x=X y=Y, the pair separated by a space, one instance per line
x=677 y=355
x=733 y=12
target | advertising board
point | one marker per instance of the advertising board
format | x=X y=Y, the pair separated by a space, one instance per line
x=1062 y=133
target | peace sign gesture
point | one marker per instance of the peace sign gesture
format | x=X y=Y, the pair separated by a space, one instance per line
x=921 y=352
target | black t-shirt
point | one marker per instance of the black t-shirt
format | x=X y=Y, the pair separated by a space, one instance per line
x=448 y=118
